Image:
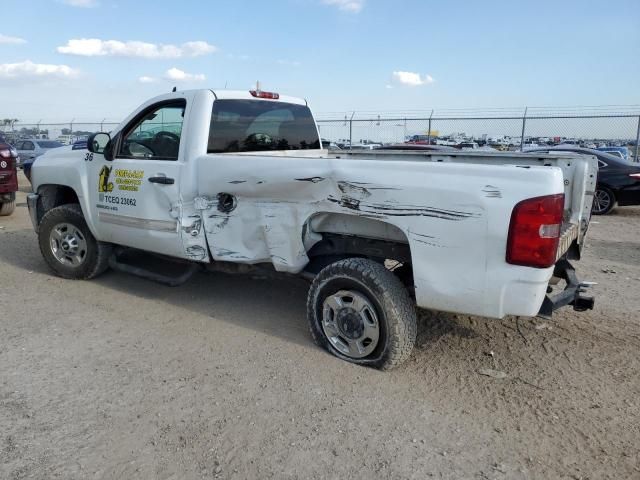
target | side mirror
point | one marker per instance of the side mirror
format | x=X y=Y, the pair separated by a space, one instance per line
x=100 y=143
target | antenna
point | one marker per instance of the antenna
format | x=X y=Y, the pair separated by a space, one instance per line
x=174 y=89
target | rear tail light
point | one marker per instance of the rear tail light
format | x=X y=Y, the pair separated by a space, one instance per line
x=6 y=153
x=534 y=231
x=261 y=94
x=635 y=175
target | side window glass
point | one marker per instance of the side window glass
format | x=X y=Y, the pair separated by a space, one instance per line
x=156 y=134
x=28 y=146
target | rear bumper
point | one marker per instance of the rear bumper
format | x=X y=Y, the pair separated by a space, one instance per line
x=32 y=204
x=571 y=295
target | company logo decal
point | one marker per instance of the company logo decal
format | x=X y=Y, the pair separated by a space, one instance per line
x=104 y=185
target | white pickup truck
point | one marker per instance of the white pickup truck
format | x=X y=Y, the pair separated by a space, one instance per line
x=234 y=180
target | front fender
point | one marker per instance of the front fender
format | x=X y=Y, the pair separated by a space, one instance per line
x=60 y=170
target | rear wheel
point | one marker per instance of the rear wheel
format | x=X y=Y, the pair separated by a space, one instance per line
x=68 y=246
x=360 y=312
x=603 y=201
x=7 y=208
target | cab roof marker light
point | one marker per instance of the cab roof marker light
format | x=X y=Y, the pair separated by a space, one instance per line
x=261 y=94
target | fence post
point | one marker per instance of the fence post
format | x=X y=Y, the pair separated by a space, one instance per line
x=429 y=132
x=524 y=123
x=351 y=130
x=636 y=159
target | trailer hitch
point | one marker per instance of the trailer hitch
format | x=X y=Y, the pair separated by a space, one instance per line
x=573 y=293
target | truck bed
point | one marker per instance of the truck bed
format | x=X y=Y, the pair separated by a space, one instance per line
x=579 y=173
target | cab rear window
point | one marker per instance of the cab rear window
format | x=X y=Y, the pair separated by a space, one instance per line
x=258 y=125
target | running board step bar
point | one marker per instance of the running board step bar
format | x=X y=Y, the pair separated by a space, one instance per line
x=172 y=280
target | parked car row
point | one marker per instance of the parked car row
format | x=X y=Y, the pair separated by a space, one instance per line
x=618 y=179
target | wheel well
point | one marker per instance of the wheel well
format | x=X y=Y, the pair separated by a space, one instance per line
x=394 y=255
x=52 y=196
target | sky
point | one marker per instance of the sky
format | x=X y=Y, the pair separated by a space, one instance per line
x=93 y=59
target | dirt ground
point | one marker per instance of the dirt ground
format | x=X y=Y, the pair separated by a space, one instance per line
x=123 y=378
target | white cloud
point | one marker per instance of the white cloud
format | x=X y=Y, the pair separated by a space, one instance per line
x=7 y=40
x=412 y=79
x=145 y=79
x=289 y=63
x=353 y=6
x=94 y=47
x=81 y=3
x=28 y=69
x=178 y=75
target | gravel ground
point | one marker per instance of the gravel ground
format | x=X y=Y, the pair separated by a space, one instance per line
x=219 y=378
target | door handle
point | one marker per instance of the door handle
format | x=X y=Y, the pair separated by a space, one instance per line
x=162 y=180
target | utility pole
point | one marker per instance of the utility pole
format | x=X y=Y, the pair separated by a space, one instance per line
x=351 y=130
x=637 y=139
x=524 y=123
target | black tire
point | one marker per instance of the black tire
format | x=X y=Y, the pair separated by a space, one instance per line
x=96 y=257
x=7 y=208
x=394 y=308
x=602 y=195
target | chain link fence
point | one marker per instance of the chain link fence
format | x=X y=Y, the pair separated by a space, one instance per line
x=503 y=129
x=500 y=129
x=65 y=132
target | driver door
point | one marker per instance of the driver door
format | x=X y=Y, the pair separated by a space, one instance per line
x=136 y=196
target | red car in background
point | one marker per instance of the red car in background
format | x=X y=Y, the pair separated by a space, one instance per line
x=8 y=178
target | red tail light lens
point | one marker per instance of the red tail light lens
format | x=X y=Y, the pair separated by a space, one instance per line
x=261 y=94
x=635 y=175
x=534 y=231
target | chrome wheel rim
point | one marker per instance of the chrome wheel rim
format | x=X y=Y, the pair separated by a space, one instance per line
x=68 y=244
x=601 y=201
x=350 y=323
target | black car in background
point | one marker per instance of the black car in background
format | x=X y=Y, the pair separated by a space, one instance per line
x=618 y=180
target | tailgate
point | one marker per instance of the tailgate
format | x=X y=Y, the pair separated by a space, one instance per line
x=580 y=174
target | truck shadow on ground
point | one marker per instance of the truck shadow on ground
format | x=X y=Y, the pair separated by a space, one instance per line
x=269 y=303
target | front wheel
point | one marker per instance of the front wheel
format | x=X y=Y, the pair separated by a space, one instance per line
x=7 y=208
x=603 y=201
x=360 y=312
x=68 y=246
